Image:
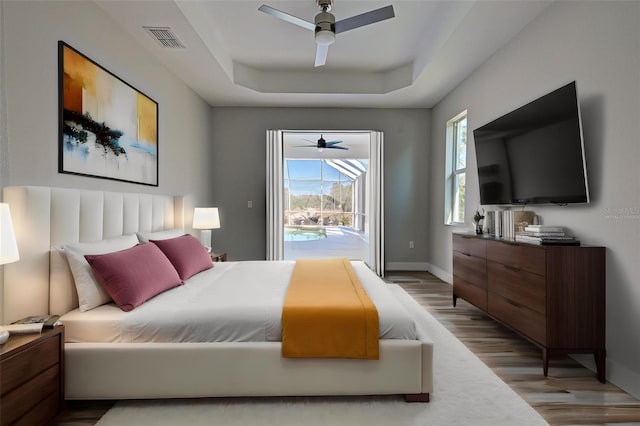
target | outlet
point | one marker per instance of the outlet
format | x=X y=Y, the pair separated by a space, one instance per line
x=411 y=244
x=249 y=204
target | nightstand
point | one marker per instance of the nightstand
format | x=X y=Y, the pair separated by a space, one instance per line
x=32 y=377
x=219 y=257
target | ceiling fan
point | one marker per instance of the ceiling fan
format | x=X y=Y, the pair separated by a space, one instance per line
x=326 y=27
x=323 y=144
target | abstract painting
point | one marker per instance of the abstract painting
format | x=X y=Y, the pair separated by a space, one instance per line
x=107 y=128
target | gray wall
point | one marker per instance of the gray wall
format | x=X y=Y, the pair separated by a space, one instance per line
x=29 y=106
x=31 y=31
x=239 y=173
x=597 y=44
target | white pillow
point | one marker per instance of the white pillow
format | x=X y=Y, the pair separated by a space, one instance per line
x=90 y=292
x=145 y=237
x=63 y=296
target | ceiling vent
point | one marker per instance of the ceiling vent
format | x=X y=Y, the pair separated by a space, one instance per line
x=165 y=37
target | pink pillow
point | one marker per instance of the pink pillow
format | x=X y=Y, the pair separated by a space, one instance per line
x=186 y=254
x=135 y=275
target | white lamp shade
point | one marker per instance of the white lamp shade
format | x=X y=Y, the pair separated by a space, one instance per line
x=325 y=38
x=8 y=245
x=206 y=218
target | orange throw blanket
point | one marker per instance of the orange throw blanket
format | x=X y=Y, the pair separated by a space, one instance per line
x=327 y=313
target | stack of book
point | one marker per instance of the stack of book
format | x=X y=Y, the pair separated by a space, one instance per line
x=546 y=235
x=508 y=223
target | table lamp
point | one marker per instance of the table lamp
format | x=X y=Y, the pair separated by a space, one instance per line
x=206 y=219
x=8 y=249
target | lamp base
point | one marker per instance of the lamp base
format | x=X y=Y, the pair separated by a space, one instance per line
x=205 y=239
x=4 y=335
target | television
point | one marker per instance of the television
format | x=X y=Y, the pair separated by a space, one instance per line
x=534 y=154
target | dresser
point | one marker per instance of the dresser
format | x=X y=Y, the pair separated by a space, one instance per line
x=552 y=295
x=32 y=377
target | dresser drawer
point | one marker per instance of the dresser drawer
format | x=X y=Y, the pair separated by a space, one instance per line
x=521 y=287
x=472 y=246
x=527 y=321
x=31 y=377
x=470 y=268
x=520 y=256
x=29 y=363
x=469 y=292
x=43 y=412
x=33 y=397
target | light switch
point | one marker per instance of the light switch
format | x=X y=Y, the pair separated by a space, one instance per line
x=250 y=204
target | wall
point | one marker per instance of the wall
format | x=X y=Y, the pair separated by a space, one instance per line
x=239 y=163
x=3 y=107
x=32 y=30
x=598 y=45
x=30 y=33
x=3 y=132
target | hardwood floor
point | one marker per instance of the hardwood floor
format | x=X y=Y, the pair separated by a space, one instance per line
x=570 y=395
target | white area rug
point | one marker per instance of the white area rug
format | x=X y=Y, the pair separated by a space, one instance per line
x=466 y=392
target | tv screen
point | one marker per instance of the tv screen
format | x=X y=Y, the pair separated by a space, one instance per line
x=534 y=154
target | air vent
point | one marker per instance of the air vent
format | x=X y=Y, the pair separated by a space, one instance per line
x=165 y=37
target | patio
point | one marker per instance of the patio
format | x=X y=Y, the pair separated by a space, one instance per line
x=340 y=241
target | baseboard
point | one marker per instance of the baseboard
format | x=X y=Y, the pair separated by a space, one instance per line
x=407 y=266
x=622 y=377
x=441 y=273
x=420 y=266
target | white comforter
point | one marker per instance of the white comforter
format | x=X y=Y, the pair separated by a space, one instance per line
x=234 y=301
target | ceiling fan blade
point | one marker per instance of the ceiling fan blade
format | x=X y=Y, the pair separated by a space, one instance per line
x=321 y=54
x=286 y=17
x=365 y=19
x=337 y=147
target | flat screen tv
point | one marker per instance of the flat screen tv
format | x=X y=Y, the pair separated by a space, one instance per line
x=534 y=154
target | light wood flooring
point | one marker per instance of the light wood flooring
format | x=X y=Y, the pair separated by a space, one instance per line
x=570 y=395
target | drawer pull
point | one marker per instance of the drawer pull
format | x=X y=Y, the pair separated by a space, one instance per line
x=516 y=304
x=512 y=268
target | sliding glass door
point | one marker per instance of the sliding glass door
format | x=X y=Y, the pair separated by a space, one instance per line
x=324 y=196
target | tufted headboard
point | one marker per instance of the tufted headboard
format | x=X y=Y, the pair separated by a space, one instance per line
x=45 y=217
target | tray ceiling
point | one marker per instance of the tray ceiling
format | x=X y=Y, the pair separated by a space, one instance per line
x=234 y=55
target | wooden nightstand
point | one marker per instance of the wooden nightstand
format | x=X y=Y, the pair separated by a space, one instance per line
x=219 y=257
x=32 y=377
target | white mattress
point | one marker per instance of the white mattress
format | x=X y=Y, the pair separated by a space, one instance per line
x=234 y=301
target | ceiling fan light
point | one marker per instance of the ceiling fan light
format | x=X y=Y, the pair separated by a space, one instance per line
x=325 y=37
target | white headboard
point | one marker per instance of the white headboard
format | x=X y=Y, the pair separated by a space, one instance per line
x=44 y=217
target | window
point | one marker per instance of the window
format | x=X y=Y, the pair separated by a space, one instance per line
x=456 y=169
x=320 y=192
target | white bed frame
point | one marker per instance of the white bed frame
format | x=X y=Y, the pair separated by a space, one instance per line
x=45 y=217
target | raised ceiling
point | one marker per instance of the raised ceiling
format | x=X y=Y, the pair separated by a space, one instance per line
x=235 y=55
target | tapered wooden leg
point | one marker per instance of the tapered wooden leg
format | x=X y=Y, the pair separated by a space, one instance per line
x=416 y=397
x=599 y=356
x=545 y=362
x=455 y=299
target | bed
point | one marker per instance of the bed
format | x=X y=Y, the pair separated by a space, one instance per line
x=125 y=365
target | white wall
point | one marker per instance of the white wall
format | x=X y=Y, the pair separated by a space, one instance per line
x=239 y=167
x=598 y=45
x=30 y=33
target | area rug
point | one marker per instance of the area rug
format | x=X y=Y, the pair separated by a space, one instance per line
x=466 y=392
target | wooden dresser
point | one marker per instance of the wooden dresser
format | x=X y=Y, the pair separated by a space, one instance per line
x=32 y=377
x=552 y=295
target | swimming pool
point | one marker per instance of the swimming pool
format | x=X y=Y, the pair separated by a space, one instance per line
x=304 y=234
